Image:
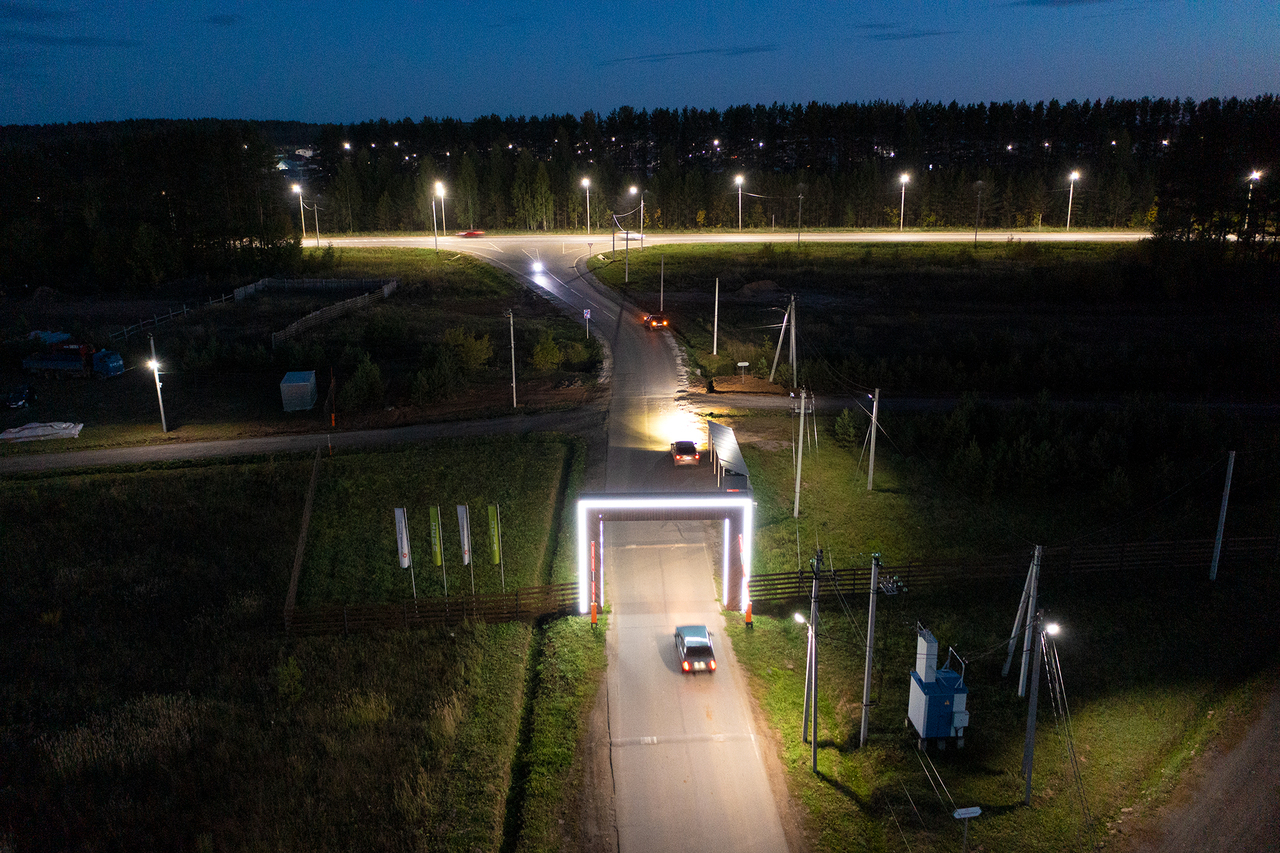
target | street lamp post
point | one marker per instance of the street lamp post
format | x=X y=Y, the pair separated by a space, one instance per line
x=635 y=191
x=977 y=212
x=902 y=209
x=1029 y=748
x=1254 y=176
x=511 y=319
x=739 y=182
x=1075 y=176
x=440 y=192
x=586 y=183
x=155 y=368
x=302 y=216
x=435 y=233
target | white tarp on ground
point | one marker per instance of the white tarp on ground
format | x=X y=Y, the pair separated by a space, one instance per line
x=35 y=432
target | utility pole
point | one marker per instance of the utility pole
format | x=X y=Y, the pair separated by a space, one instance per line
x=875 y=422
x=795 y=375
x=778 y=352
x=511 y=318
x=1222 y=514
x=811 y=665
x=715 y=322
x=795 y=513
x=871 y=640
x=1029 y=749
x=662 y=282
x=155 y=368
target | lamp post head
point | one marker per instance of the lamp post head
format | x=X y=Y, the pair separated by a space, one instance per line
x=634 y=190
x=738 y=180
x=905 y=178
x=586 y=182
x=1075 y=176
x=439 y=189
x=1255 y=175
x=1052 y=629
x=297 y=188
x=799 y=617
x=153 y=365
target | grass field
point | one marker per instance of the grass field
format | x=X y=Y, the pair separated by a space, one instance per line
x=1150 y=662
x=149 y=701
x=1083 y=321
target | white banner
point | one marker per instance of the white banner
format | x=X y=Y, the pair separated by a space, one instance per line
x=464 y=531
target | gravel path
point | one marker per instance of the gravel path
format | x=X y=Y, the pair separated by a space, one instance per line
x=1229 y=801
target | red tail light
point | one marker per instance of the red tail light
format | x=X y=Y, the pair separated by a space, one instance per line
x=685 y=666
x=712 y=666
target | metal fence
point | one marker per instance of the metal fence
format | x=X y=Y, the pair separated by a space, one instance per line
x=1177 y=556
x=520 y=605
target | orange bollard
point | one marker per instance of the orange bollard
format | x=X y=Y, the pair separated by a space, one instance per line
x=593 y=614
x=748 y=615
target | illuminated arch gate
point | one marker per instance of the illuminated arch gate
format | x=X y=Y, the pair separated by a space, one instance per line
x=737 y=511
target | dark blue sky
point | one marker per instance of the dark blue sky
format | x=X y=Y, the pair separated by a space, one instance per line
x=328 y=61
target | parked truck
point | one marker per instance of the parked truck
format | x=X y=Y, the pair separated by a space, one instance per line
x=74 y=360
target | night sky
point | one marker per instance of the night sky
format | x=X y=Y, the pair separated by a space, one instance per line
x=351 y=61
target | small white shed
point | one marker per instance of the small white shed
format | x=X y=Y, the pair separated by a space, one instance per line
x=298 y=390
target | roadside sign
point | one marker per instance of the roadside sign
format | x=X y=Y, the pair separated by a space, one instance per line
x=402 y=537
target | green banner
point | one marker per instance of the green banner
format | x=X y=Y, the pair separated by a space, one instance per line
x=495 y=534
x=437 y=552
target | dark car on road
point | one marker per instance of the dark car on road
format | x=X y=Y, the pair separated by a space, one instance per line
x=693 y=646
x=684 y=453
x=656 y=321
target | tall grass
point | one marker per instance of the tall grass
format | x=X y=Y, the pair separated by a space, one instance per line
x=149 y=701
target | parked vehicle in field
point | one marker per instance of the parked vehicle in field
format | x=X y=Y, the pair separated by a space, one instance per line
x=693 y=646
x=19 y=398
x=74 y=360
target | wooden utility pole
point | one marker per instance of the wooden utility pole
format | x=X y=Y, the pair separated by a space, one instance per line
x=1222 y=517
x=871 y=640
x=875 y=421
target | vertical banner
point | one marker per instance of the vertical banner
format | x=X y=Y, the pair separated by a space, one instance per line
x=495 y=535
x=402 y=546
x=437 y=547
x=402 y=537
x=464 y=532
x=437 y=544
x=495 y=541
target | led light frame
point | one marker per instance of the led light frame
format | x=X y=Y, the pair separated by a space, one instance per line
x=715 y=506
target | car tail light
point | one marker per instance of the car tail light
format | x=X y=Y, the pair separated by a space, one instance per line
x=685 y=666
x=712 y=666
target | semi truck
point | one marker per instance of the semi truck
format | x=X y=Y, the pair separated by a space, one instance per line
x=74 y=360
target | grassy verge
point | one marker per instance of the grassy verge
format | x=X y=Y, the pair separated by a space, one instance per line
x=1149 y=661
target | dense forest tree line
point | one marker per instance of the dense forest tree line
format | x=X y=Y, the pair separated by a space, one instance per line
x=140 y=202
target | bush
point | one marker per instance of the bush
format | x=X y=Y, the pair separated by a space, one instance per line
x=471 y=352
x=364 y=389
x=546 y=354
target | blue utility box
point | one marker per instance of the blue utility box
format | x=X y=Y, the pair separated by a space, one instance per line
x=938 y=696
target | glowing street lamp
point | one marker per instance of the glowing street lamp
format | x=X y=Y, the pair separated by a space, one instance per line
x=1254 y=177
x=440 y=192
x=640 y=192
x=1075 y=176
x=902 y=209
x=301 y=213
x=586 y=184
x=155 y=368
x=739 y=182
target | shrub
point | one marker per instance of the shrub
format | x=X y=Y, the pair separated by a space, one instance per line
x=546 y=354
x=364 y=389
x=472 y=352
